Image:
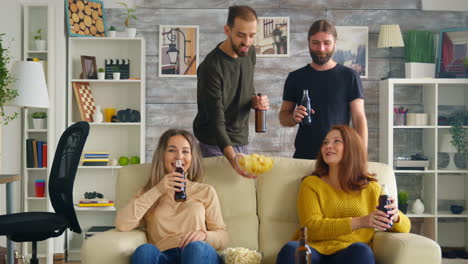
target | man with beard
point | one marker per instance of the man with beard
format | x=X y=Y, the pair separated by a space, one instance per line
x=335 y=93
x=225 y=90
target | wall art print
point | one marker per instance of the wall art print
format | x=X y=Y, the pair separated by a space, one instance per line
x=352 y=48
x=272 y=37
x=85 y=18
x=178 y=51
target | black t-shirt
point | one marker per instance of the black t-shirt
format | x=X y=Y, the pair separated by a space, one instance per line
x=330 y=93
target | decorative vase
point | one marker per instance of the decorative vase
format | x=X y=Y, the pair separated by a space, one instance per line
x=111 y=34
x=101 y=75
x=97 y=116
x=40 y=44
x=39 y=123
x=116 y=75
x=131 y=32
x=418 y=207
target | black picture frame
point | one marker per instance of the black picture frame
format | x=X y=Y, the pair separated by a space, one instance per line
x=88 y=67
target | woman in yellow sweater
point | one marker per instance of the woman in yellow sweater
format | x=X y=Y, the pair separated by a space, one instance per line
x=178 y=232
x=338 y=204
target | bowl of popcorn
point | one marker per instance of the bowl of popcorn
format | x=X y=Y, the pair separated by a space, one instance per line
x=241 y=255
x=254 y=164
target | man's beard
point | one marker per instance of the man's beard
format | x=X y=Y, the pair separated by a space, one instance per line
x=238 y=51
x=320 y=60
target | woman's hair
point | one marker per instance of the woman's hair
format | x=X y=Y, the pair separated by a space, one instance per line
x=353 y=174
x=322 y=26
x=158 y=170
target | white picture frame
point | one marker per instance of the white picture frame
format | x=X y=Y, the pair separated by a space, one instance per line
x=272 y=37
x=185 y=39
x=351 y=43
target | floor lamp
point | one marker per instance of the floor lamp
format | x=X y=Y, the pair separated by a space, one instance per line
x=32 y=92
x=390 y=37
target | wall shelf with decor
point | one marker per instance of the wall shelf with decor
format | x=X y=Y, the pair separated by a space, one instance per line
x=38 y=17
x=437 y=183
x=115 y=138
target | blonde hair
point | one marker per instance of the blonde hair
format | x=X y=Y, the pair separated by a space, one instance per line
x=158 y=171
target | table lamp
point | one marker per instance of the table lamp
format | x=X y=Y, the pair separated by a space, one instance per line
x=390 y=37
x=446 y=146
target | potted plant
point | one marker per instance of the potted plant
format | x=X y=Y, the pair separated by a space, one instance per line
x=101 y=74
x=6 y=79
x=116 y=72
x=419 y=54
x=39 y=120
x=403 y=201
x=40 y=43
x=457 y=121
x=131 y=31
x=112 y=32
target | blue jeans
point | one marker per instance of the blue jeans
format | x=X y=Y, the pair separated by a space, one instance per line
x=214 y=151
x=194 y=253
x=356 y=253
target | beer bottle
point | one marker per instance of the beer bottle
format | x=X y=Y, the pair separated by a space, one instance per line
x=260 y=120
x=383 y=199
x=307 y=120
x=303 y=254
x=180 y=196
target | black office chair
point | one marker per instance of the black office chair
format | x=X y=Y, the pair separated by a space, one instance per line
x=38 y=226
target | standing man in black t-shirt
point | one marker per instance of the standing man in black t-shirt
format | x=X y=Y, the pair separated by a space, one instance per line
x=335 y=93
x=225 y=90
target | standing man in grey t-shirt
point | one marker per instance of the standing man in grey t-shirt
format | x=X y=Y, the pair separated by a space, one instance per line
x=225 y=90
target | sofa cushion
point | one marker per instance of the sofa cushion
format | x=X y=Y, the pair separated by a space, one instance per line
x=238 y=201
x=277 y=194
x=236 y=195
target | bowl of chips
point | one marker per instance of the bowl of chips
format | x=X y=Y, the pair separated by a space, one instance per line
x=254 y=163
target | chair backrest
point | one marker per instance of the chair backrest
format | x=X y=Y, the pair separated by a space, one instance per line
x=62 y=175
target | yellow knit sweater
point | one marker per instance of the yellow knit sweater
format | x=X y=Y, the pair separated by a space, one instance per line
x=327 y=213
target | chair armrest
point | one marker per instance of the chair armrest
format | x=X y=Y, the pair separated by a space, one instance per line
x=113 y=247
x=397 y=248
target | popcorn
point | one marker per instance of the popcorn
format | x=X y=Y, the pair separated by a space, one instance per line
x=255 y=163
x=240 y=255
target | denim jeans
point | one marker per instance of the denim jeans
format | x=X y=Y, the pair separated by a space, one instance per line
x=214 y=151
x=194 y=253
x=356 y=253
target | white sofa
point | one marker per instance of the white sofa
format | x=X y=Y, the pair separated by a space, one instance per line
x=259 y=214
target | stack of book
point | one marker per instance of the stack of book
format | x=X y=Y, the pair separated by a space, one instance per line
x=95 y=158
x=98 y=202
x=36 y=153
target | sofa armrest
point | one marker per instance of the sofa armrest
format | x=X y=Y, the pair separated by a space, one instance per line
x=113 y=247
x=397 y=248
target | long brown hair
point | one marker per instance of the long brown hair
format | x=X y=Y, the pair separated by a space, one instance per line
x=353 y=174
x=322 y=26
x=158 y=171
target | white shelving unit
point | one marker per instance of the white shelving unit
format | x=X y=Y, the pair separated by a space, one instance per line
x=439 y=187
x=119 y=139
x=37 y=16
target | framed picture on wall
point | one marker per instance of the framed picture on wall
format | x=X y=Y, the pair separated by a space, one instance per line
x=352 y=48
x=272 y=37
x=452 y=54
x=178 y=51
x=85 y=18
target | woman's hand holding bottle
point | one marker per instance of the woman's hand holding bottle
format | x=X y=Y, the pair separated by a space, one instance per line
x=172 y=181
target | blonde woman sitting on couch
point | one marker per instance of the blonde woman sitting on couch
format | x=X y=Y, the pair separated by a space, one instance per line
x=178 y=232
x=338 y=204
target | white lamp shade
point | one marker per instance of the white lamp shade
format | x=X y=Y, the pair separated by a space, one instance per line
x=30 y=84
x=445 y=145
x=390 y=37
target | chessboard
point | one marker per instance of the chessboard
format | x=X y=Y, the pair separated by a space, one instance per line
x=84 y=100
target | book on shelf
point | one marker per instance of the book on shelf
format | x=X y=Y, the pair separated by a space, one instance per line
x=95 y=200
x=110 y=203
x=44 y=155
x=94 y=163
x=97 y=229
x=34 y=145
x=39 y=153
x=29 y=153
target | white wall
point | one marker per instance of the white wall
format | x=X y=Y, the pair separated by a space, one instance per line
x=449 y=5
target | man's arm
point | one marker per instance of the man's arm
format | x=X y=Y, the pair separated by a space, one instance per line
x=358 y=115
x=230 y=155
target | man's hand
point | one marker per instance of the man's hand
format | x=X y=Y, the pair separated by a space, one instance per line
x=260 y=102
x=300 y=112
x=230 y=154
